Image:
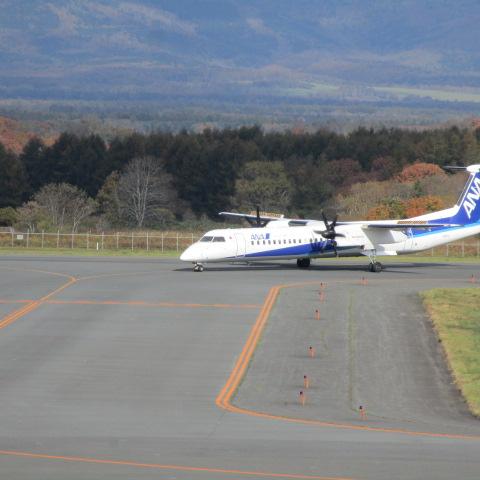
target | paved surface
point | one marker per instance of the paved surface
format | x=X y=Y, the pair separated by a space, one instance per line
x=115 y=375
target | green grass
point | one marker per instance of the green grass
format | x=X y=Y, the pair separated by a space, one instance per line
x=455 y=314
x=89 y=253
x=174 y=254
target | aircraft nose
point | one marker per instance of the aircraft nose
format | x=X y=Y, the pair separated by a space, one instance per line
x=189 y=255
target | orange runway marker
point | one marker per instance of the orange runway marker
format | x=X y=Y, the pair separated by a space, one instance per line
x=322 y=297
x=13 y=302
x=473 y=279
x=133 y=303
x=34 y=304
x=306 y=382
x=159 y=466
x=317 y=314
x=302 y=398
x=363 y=412
x=311 y=351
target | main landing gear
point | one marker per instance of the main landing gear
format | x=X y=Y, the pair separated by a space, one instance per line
x=374 y=266
x=198 y=267
x=303 y=262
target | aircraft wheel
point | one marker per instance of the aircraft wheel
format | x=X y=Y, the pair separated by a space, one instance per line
x=303 y=262
x=198 y=268
x=377 y=267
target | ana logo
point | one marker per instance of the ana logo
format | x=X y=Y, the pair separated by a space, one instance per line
x=260 y=236
x=471 y=197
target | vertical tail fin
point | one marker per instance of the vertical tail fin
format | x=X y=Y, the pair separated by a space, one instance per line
x=468 y=205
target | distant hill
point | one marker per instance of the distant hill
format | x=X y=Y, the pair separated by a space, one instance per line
x=14 y=134
x=344 y=50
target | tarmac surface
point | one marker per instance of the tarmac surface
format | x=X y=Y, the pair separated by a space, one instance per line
x=134 y=368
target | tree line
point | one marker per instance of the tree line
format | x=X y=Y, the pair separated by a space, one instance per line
x=190 y=175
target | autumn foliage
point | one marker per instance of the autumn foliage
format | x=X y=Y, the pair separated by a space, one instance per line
x=412 y=207
x=421 y=205
x=415 y=172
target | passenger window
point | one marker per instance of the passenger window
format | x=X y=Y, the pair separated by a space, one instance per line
x=284 y=241
x=264 y=242
x=253 y=243
x=269 y=242
x=294 y=241
x=258 y=242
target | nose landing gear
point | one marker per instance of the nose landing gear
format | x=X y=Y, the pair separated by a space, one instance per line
x=198 y=267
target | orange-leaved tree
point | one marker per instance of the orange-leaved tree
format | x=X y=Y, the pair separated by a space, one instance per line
x=421 y=205
x=416 y=171
x=391 y=208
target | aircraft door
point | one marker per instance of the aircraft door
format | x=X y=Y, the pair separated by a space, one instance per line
x=241 y=245
x=409 y=241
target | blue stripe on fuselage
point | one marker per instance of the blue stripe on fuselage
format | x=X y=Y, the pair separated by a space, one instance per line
x=296 y=250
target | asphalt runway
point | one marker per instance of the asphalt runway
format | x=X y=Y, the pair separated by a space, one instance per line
x=133 y=369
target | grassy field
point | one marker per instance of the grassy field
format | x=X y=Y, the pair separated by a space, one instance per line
x=455 y=314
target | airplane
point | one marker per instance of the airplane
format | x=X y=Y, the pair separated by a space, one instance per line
x=278 y=238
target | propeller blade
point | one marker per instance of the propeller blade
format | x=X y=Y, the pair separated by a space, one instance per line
x=334 y=245
x=325 y=221
x=334 y=223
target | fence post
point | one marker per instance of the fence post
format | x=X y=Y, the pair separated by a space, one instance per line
x=28 y=237
x=192 y=239
x=58 y=238
x=43 y=236
x=147 y=241
x=88 y=237
x=12 y=237
x=162 y=241
x=447 y=249
x=132 y=241
x=103 y=238
x=177 y=241
x=72 y=241
x=463 y=248
x=117 y=240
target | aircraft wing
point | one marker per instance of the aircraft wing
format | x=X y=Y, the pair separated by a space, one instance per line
x=402 y=226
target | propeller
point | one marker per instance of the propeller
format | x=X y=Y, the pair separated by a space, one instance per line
x=257 y=221
x=330 y=233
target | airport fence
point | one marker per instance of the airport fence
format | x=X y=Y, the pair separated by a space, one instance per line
x=147 y=241
x=165 y=242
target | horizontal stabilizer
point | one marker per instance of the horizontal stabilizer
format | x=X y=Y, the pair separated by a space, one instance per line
x=249 y=216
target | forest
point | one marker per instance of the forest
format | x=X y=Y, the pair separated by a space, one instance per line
x=161 y=179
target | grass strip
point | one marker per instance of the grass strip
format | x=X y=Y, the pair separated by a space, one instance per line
x=90 y=252
x=455 y=314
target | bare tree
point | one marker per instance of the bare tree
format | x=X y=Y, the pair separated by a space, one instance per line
x=144 y=191
x=65 y=204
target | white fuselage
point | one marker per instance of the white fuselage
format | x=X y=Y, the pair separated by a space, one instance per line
x=276 y=242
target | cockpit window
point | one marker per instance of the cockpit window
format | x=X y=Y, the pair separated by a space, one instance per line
x=218 y=239
x=206 y=238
